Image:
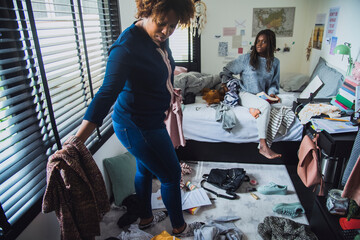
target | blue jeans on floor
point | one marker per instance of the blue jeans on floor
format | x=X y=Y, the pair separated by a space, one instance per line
x=155 y=155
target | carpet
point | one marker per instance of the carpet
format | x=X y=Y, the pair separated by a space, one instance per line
x=251 y=211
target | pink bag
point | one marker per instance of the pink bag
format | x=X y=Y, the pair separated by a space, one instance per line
x=308 y=167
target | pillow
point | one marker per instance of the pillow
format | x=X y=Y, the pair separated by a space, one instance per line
x=331 y=78
x=293 y=82
x=121 y=170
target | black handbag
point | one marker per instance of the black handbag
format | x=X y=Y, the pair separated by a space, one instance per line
x=227 y=179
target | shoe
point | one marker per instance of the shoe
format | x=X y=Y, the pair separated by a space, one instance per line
x=158 y=217
x=291 y=209
x=273 y=189
x=189 y=230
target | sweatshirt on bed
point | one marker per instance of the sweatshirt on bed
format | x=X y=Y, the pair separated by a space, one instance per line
x=135 y=79
x=253 y=81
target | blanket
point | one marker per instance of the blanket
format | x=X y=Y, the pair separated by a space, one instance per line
x=194 y=82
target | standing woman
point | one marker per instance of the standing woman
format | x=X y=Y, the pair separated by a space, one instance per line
x=259 y=71
x=139 y=77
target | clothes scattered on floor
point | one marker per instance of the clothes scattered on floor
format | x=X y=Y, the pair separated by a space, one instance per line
x=185 y=169
x=220 y=228
x=134 y=233
x=132 y=211
x=164 y=236
x=283 y=229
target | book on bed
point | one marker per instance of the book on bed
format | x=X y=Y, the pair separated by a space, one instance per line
x=268 y=98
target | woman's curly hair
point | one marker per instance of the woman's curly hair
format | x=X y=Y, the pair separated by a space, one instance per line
x=184 y=9
x=269 y=54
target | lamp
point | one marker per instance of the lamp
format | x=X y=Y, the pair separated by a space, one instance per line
x=345 y=49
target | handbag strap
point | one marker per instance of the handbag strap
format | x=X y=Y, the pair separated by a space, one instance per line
x=232 y=197
x=318 y=152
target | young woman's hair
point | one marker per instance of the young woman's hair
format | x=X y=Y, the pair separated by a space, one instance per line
x=184 y=9
x=269 y=54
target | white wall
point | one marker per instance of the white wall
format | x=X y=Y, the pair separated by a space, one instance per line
x=347 y=31
x=222 y=14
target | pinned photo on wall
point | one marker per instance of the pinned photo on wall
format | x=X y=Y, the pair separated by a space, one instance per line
x=223 y=49
x=240 y=50
x=242 y=32
x=236 y=41
x=333 y=45
x=229 y=31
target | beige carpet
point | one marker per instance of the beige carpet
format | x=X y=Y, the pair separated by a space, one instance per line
x=251 y=211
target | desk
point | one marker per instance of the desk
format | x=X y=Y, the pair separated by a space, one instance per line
x=325 y=225
x=337 y=146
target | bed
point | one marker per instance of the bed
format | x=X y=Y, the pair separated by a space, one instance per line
x=207 y=140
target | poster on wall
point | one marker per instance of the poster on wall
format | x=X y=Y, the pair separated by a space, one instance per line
x=318 y=36
x=332 y=22
x=223 y=49
x=280 y=20
x=318 y=33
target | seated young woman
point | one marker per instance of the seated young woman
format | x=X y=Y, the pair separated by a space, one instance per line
x=259 y=72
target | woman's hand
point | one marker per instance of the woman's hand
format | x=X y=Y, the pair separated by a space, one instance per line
x=274 y=96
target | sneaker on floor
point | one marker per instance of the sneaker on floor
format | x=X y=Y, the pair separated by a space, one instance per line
x=273 y=189
x=158 y=217
x=189 y=230
x=291 y=209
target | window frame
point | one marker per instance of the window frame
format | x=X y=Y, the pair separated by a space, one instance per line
x=193 y=63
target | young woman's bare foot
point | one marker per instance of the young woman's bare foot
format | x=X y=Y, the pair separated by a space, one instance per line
x=254 y=112
x=266 y=151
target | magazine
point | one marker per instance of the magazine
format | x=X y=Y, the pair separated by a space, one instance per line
x=336 y=125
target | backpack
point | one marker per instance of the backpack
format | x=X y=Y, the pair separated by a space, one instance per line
x=308 y=168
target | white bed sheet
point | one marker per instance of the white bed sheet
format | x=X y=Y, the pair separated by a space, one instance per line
x=199 y=124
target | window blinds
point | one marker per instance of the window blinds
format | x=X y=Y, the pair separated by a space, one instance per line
x=53 y=58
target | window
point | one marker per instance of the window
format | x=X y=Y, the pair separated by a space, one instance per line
x=53 y=57
x=185 y=49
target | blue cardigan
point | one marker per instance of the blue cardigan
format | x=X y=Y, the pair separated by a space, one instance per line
x=135 y=78
x=251 y=80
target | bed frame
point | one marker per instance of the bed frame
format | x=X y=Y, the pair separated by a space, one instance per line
x=237 y=152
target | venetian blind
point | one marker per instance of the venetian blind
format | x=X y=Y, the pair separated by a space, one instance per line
x=53 y=58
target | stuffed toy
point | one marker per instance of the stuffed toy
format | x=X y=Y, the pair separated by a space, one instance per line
x=211 y=96
x=356 y=71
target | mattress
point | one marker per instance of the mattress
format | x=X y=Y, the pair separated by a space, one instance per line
x=199 y=123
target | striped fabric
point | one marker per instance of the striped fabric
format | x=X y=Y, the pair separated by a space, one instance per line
x=280 y=121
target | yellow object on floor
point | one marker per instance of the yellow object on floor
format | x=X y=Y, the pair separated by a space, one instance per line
x=164 y=236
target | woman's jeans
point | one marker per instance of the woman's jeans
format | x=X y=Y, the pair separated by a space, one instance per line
x=155 y=155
